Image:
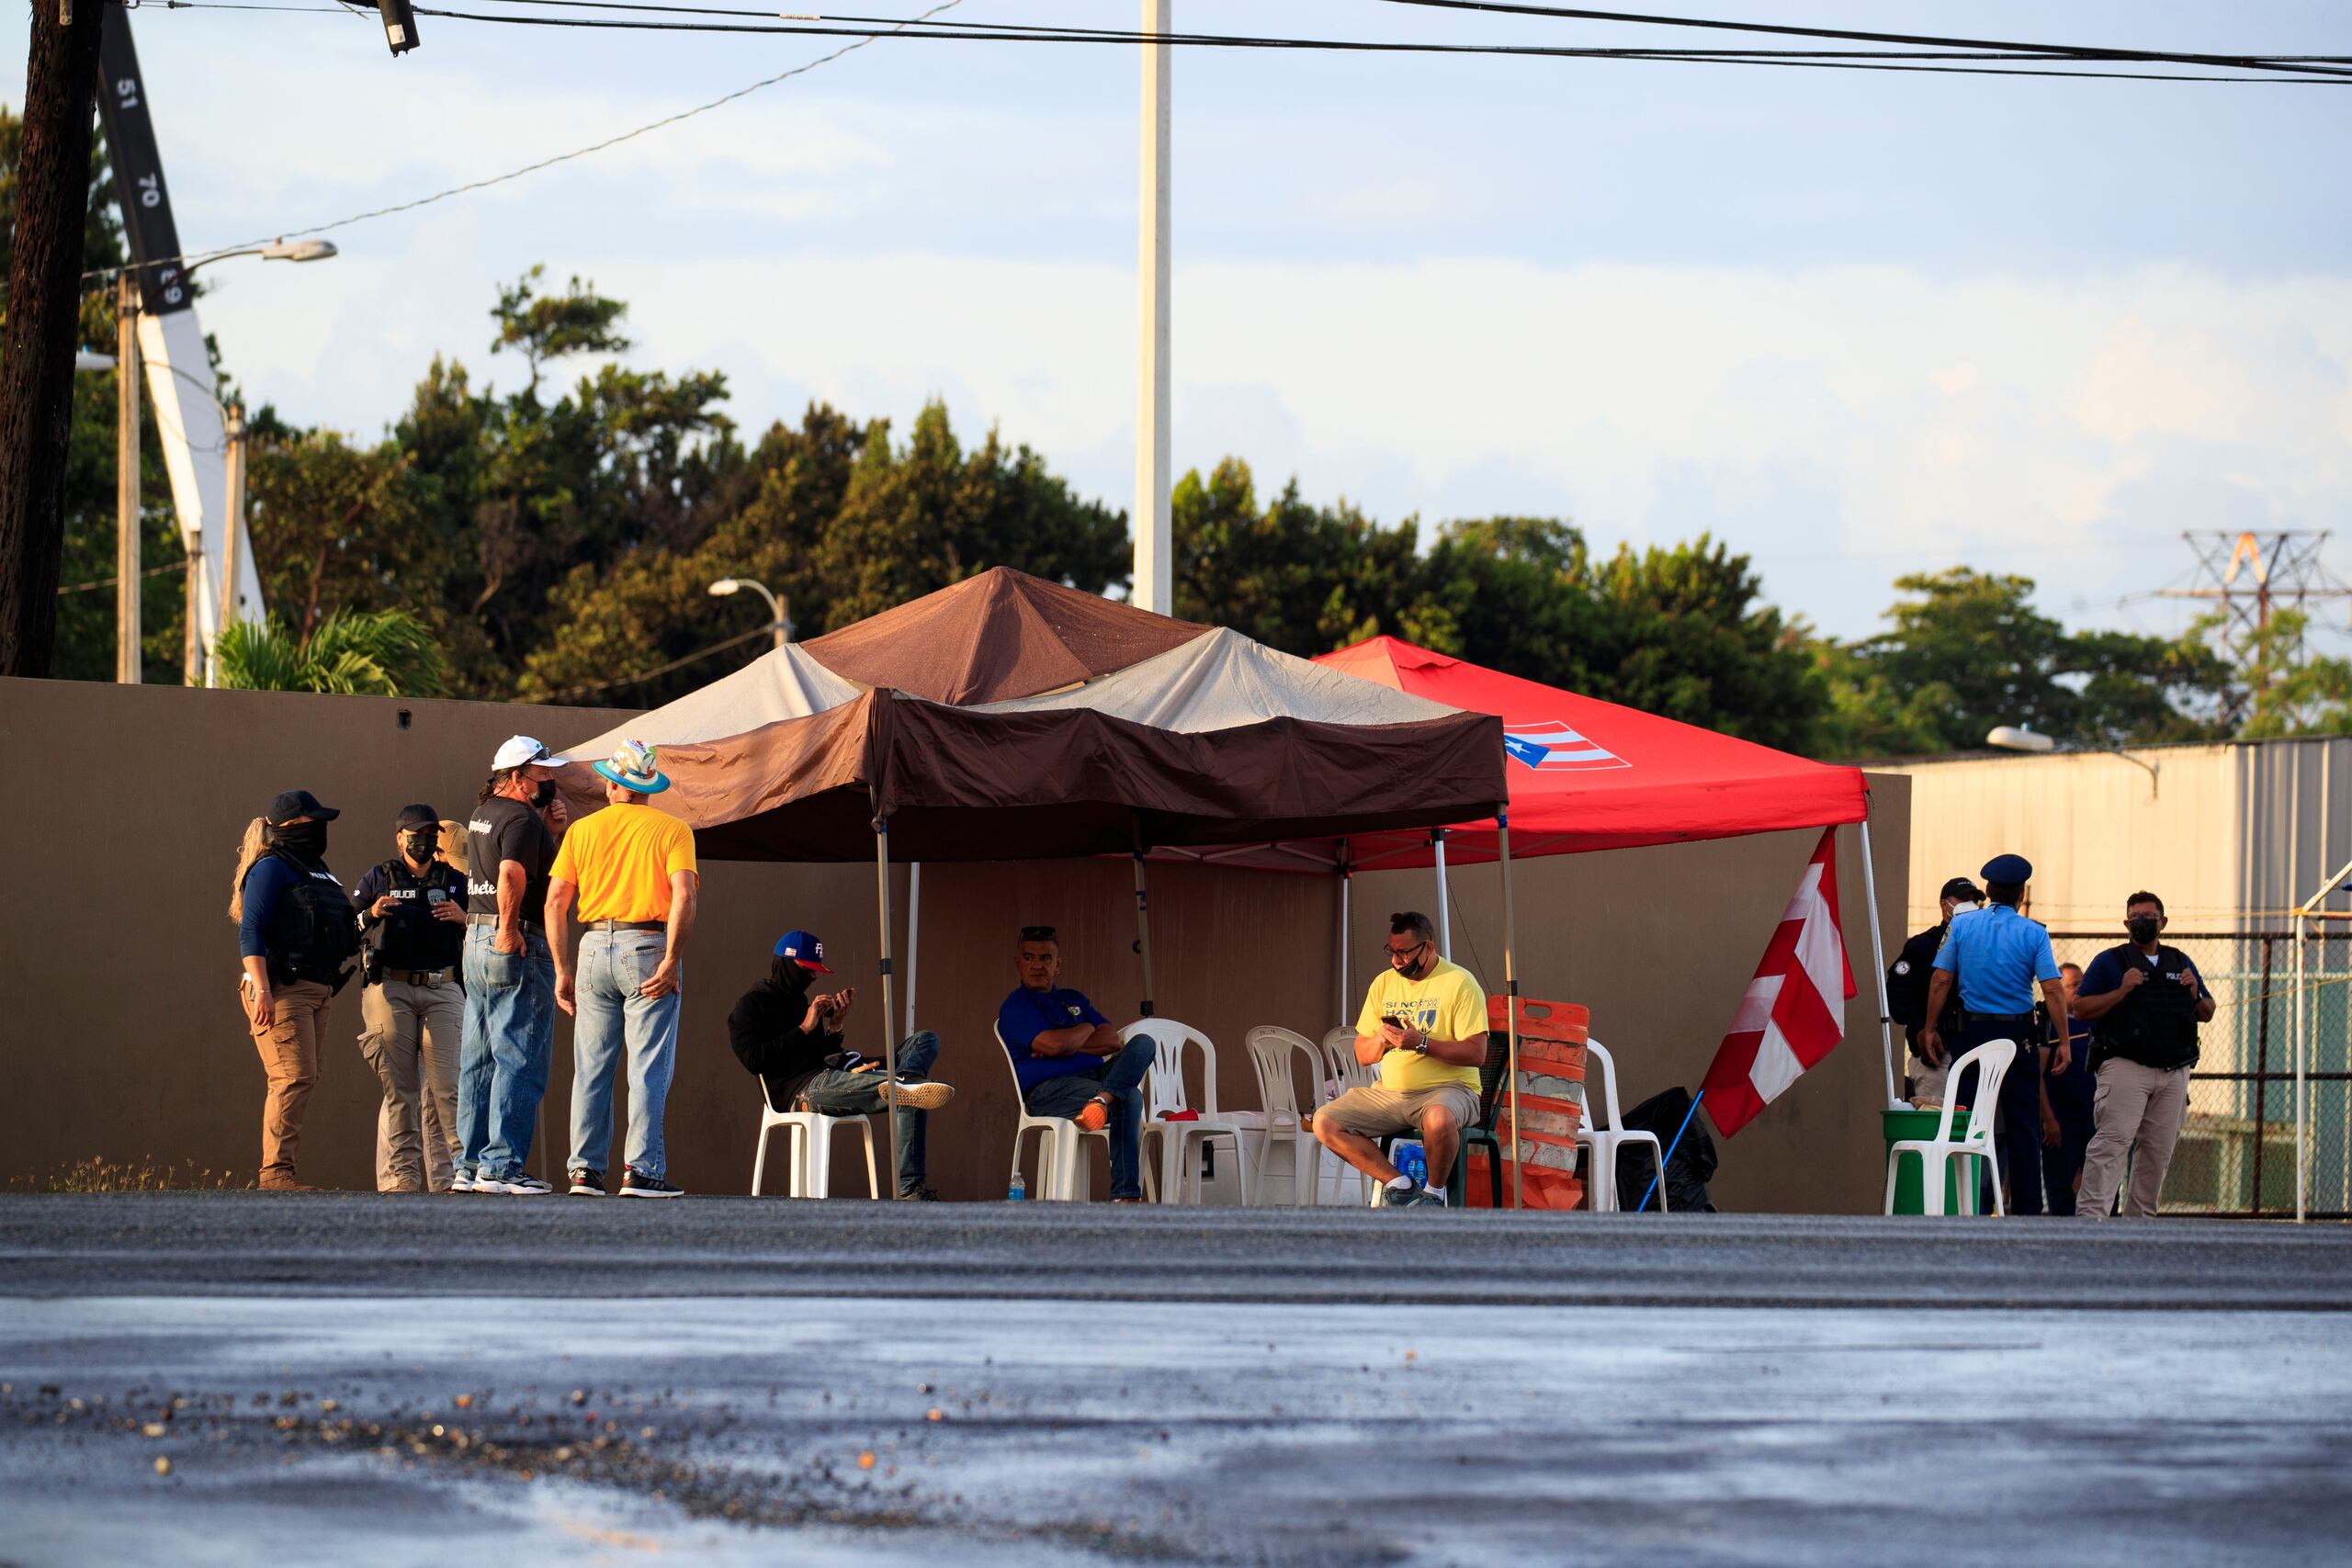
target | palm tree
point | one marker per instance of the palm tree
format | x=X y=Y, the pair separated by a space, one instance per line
x=382 y=653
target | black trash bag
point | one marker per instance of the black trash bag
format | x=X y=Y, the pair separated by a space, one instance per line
x=1689 y=1168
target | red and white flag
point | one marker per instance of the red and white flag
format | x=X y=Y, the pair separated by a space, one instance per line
x=1794 y=1013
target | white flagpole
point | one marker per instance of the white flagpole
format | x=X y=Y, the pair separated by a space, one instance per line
x=1878 y=963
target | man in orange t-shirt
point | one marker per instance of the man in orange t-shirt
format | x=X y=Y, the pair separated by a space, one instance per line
x=632 y=869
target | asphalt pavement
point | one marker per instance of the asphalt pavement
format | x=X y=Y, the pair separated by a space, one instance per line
x=221 y=1378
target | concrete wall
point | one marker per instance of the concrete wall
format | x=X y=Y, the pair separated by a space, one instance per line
x=124 y=1039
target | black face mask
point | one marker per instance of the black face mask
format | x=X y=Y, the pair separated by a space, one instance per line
x=2142 y=928
x=308 y=839
x=421 y=846
x=545 y=795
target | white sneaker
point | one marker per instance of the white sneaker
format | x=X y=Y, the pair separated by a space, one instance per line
x=525 y=1186
x=461 y=1182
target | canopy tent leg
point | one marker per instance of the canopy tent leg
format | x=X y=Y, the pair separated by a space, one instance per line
x=1511 y=990
x=915 y=936
x=1444 y=921
x=1877 y=965
x=1347 y=878
x=1143 y=931
x=890 y=1032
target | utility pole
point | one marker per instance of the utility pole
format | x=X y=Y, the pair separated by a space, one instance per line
x=2250 y=574
x=228 y=615
x=44 y=321
x=1155 y=544
x=127 y=580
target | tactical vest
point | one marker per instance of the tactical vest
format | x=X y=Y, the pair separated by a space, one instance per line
x=410 y=938
x=2156 y=1024
x=313 y=931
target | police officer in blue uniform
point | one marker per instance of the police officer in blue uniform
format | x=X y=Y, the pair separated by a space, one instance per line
x=1994 y=957
x=1906 y=986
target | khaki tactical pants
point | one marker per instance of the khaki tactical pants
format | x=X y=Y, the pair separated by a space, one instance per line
x=411 y=1035
x=290 y=1057
x=2139 y=1111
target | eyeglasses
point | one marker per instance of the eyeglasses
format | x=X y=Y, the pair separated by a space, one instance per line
x=1401 y=954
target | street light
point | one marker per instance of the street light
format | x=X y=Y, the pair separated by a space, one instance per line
x=277 y=249
x=781 y=623
x=2016 y=738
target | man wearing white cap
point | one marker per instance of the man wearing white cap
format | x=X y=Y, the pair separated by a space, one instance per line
x=632 y=868
x=510 y=974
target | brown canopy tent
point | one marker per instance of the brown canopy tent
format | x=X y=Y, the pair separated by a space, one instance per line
x=1011 y=719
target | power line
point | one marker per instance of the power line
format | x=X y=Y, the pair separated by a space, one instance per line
x=1848 y=35
x=542 y=164
x=2315 y=77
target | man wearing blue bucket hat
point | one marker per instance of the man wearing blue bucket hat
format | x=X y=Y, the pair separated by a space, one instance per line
x=632 y=869
x=1995 y=957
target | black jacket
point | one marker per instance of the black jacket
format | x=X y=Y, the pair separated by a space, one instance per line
x=765 y=1031
x=1906 y=986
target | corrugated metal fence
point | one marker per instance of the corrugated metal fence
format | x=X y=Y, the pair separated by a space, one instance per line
x=2237 y=1149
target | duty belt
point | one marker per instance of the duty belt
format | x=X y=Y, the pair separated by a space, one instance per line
x=628 y=925
x=1968 y=1017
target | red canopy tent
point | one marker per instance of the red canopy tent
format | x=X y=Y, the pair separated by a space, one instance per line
x=1587 y=774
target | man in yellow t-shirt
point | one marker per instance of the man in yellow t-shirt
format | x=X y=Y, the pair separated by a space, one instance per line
x=632 y=869
x=1424 y=1020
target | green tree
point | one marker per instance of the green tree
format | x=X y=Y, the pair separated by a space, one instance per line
x=2291 y=690
x=541 y=327
x=384 y=653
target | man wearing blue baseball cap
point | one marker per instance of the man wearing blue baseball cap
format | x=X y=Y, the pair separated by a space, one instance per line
x=1994 y=957
x=790 y=1035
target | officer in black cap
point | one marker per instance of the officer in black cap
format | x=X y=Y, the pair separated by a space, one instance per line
x=1994 y=958
x=296 y=933
x=1906 y=986
x=412 y=1007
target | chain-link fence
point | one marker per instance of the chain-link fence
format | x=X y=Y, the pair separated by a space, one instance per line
x=2237 y=1149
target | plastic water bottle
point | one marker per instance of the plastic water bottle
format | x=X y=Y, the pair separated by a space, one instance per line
x=1019 y=1191
x=1413 y=1163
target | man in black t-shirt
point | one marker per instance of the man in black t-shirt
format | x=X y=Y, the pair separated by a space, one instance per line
x=413 y=935
x=510 y=973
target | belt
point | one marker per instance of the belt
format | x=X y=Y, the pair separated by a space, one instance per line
x=1967 y=1017
x=421 y=976
x=628 y=925
x=493 y=919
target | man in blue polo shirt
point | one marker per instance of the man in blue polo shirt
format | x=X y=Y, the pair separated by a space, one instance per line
x=1071 y=1061
x=1996 y=956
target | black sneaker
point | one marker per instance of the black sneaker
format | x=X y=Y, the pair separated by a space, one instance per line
x=921 y=1195
x=1419 y=1197
x=588 y=1184
x=636 y=1184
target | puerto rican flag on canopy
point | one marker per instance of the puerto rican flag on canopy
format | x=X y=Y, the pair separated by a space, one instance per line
x=1794 y=1013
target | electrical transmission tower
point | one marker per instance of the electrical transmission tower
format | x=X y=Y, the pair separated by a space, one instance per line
x=2249 y=575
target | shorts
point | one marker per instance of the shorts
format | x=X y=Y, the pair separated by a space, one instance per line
x=1378 y=1112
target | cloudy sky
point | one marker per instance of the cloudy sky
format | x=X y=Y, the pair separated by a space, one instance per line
x=1857 y=324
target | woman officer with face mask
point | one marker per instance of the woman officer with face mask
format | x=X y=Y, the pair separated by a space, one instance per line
x=297 y=932
x=413 y=928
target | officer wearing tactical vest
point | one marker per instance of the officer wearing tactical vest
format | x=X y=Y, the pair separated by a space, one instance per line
x=1994 y=957
x=1907 y=987
x=296 y=933
x=412 y=1007
x=2144 y=1001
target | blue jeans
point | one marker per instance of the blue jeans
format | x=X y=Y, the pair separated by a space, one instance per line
x=860 y=1094
x=1122 y=1077
x=503 y=1064
x=612 y=1013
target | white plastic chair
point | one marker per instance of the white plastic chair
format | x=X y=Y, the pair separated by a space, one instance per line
x=1164 y=1091
x=1062 y=1170
x=1274 y=1053
x=1340 y=1065
x=1343 y=1072
x=1937 y=1154
x=1600 y=1194
x=809 y=1150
